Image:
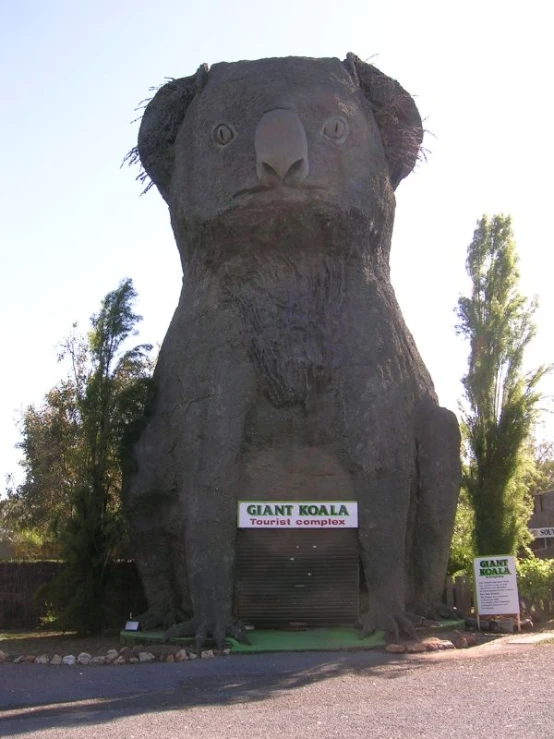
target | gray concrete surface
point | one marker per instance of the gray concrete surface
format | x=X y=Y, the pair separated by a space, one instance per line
x=501 y=691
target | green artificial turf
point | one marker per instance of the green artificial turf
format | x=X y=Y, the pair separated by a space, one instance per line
x=266 y=640
x=263 y=640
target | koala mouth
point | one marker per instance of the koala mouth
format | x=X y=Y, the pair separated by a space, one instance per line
x=282 y=193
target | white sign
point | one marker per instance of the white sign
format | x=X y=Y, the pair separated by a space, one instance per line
x=544 y=533
x=306 y=514
x=496 y=585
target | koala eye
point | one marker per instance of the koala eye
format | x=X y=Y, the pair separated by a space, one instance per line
x=336 y=129
x=223 y=134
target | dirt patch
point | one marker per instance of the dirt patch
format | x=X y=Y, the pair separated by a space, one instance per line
x=15 y=643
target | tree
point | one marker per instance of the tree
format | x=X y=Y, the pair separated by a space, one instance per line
x=501 y=399
x=50 y=445
x=544 y=461
x=73 y=447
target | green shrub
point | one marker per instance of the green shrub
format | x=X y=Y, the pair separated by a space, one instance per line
x=536 y=584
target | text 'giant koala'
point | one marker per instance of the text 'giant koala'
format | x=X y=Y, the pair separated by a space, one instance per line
x=288 y=343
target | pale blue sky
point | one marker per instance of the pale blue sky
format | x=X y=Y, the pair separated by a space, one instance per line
x=72 y=223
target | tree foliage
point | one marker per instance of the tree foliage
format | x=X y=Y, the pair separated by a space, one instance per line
x=461 y=548
x=73 y=446
x=501 y=398
x=536 y=585
x=544 y=459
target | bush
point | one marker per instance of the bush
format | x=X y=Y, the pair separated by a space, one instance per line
x=536 y=585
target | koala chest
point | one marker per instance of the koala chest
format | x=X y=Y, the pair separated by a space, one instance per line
x=291 y=334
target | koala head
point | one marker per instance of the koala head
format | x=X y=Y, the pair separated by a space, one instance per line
x=265 y=136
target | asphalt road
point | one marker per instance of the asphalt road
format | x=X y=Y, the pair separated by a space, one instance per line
x=497 y=692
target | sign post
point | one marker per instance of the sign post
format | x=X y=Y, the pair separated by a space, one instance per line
x=496 y=592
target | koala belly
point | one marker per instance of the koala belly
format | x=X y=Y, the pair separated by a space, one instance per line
x=317 y=449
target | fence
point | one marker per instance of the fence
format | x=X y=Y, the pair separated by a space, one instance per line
x=20 y=581
x=459 y=593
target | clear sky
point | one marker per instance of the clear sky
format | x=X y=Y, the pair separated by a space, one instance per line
x=72 y=224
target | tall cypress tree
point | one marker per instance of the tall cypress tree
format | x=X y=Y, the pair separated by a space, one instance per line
x=501 y=398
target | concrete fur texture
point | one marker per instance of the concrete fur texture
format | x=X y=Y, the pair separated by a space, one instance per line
x=287 y=371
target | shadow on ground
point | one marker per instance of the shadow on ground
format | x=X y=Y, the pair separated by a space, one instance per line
x=64 y=697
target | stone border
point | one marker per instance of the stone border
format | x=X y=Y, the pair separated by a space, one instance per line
x=140 y=654
x=125 y=655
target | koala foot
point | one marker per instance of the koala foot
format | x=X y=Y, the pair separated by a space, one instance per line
x=155 y=618
x=202 y=630
x=440 y=611
x=393 y=625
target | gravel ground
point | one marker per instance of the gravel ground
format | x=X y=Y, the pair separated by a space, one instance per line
x=498 y=691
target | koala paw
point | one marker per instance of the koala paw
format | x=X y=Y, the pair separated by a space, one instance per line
x=155 y=618
x=202 y=630
x=392 y=624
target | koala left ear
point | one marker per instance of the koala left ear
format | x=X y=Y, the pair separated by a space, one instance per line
x=396 y=115
x=160 y=125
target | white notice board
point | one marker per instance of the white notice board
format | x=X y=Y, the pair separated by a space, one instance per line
x=496 y=585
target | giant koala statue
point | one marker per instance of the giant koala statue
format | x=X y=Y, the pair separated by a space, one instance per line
x=288 y=341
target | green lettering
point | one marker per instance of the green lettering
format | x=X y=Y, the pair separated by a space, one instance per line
x=343 y=511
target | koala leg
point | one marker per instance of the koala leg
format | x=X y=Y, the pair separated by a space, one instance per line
x=153 y=559
x=380 y=451
x=439 y=476
x=210 y=464
x=150 y=502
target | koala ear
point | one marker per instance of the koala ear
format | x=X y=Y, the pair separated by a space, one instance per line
x=396 y=115
x=160 y=124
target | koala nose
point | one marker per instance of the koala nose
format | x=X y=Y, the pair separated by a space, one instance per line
x=281 y=149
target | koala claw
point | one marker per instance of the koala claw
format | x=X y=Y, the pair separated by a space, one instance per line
x=393 y=625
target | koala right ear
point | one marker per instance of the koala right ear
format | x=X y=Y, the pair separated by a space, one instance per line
x=396 y=115
x=160 y=124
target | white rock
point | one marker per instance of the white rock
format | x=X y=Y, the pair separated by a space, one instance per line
x=56 y=660
x=170 y=658
x=19 y=660
x=100 y=660
x=207 y=654
x=84 y=658
x=395 y=648
x=146 y=657
x=111 y=656
x=3 y=656
x=193 y=655
x=120 y=661
x=42 y=659
x=181 y=655
x=133 y=660
x=226 y=652
x=69 y=659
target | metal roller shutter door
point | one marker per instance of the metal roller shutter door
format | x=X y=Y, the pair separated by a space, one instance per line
x=297 y=577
